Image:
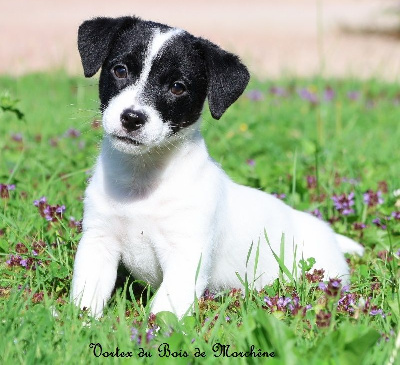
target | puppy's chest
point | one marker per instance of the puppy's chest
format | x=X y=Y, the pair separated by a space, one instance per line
x=138 y=236
x=146 y=231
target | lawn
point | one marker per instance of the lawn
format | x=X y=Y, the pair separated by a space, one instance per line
x=330 y=147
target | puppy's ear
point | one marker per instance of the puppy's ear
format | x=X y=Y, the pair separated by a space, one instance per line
x=95 y=38
x=227 y=77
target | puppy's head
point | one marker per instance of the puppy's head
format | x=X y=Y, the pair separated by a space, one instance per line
x=154 y=79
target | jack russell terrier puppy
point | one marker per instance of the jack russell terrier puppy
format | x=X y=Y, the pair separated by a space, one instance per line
x=157 y=200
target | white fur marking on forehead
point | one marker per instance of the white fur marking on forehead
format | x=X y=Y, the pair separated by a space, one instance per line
x=158 y=41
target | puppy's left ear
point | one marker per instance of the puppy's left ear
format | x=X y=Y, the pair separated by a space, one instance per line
x=227 y=77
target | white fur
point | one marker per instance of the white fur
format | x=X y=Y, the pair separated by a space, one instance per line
x=155 y=130
x=165 y=209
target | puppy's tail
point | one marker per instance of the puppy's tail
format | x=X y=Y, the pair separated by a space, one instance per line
x=347 y=245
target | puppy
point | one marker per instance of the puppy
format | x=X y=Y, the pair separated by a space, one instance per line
x=157 y=201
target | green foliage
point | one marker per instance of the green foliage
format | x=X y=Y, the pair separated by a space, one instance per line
x=299 y=140
x=7 y=104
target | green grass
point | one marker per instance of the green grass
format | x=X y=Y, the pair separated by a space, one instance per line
x=273 y=144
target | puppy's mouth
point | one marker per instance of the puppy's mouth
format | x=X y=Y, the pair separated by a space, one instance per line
x=127 y=139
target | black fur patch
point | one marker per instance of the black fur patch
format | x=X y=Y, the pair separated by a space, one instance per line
x=205 y=69
x=180 y=61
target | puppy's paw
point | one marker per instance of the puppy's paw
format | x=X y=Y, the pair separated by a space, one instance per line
x=178 y=306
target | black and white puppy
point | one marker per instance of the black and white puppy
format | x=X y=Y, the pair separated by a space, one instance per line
x=157 y=201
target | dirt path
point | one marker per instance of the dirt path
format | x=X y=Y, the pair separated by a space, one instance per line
x=274 y=37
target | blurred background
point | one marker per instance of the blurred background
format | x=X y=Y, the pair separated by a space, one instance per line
x=357 y=38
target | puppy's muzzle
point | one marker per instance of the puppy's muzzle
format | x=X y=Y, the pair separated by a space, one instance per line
x=132 y=119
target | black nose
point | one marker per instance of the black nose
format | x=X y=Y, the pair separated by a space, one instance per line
x=132 y=119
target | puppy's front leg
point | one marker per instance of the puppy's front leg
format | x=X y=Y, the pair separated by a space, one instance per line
x=180 y=286
x=95 y=272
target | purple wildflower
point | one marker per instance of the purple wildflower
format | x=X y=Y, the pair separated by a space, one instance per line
x=294 y=305
x=21 y=248
x=396 y=215
x=51 y=213
x=336 y=283
x=251 y=162
x=38 y=297
x=149 y=335
x=358 y=226
x=53 y=142
x=334 y=286
x=353 y=95
x=279 y=196
x=73 y=223
x=278 y=91
x=331 y=289
x=345 y=288
x=293 y=302
x=208 y=295
x=23 y=263
x=343 y=203
x=398 y=252
x=17 y=137
x=373 y=199
x=378 y=223
x=60 y=210
x=16 y=260
x=384 y=255
x=375 y=284
x=135 y=335
x=268 y=301
x=255 y=95
x=347 y=303
x=72 y=133
x=383 y=186
x=375 y=312
x=285 y=304
x=277 y=303
x=329 y=94
x=42 y=200
x=5 y=189
x=317 y=213
x=323 y=319
x=308 y=95
x=39 y=246
x=311 y=182
x=316 y=276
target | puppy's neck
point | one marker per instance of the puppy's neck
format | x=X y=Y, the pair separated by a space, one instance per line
x=137 y=175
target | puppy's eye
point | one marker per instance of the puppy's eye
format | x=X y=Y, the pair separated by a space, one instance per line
x=178 y=88
x=120 y=71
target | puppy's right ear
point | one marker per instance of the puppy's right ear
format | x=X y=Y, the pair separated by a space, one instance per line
x=95 y=38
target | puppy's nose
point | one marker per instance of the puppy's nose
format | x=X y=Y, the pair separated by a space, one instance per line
x=132 y=119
